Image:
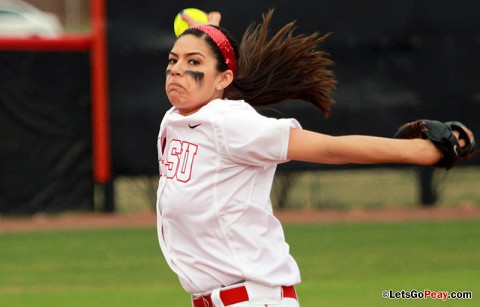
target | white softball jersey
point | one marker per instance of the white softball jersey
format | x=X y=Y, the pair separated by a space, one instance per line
x=214 y=215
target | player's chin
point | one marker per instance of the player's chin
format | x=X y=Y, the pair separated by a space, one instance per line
x=179 y=103
x=175 y=98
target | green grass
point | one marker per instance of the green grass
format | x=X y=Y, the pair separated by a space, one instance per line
x=86 y=268
x=351 y=264
x=341 y=264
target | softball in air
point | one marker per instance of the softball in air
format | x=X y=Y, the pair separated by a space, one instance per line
x=180 y=25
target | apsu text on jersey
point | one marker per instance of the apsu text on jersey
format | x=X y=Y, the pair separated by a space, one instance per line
x=177 y=161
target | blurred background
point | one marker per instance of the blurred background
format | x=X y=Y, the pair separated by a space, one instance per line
x=396 y=61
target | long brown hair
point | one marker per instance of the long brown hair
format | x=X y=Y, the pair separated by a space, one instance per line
x=284 y=67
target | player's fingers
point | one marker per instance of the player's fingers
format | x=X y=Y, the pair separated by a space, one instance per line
x=462 y=142
x=214 y=18
x=191 y=22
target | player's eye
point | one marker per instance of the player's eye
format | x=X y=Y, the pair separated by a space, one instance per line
x=194 y=62
x=172 y=61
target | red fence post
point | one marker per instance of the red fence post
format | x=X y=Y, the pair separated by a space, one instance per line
x=102 y=165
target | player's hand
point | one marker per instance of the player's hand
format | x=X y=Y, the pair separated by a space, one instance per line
x=454 y=140
x=465 y=138
x=213 y=19
x=462 y=142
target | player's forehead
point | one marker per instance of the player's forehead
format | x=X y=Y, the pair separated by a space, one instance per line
x=190 y=44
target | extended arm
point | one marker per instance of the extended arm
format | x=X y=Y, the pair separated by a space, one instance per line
x=315 y=147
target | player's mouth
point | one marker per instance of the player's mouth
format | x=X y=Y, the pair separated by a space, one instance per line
x=174 y=86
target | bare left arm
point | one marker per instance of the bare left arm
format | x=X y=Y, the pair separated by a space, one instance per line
x=315 y=147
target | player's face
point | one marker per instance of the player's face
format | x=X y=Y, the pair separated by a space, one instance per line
x=192 y=77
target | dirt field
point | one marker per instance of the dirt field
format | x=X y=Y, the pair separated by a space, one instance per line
x=99 y=220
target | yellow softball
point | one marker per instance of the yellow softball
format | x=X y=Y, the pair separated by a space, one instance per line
x=180 y=25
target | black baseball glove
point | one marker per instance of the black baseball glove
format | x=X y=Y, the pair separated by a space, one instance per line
x=441 y=135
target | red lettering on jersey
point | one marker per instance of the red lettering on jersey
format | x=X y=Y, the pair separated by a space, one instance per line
x=173 y=158
x=160 y=155
x=189 y=151
x=178 y=160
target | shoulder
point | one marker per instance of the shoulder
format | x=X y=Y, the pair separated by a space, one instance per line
x=238 y=110
x=226 y=106
x=232 y=112
x=238 y=118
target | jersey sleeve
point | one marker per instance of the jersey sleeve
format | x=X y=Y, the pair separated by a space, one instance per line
x=251 y=138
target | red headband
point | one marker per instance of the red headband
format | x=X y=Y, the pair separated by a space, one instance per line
x=222 y=43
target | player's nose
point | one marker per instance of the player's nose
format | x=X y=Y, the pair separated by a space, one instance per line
x=177 y=69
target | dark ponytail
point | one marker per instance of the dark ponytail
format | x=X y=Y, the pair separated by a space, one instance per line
x=285 y=67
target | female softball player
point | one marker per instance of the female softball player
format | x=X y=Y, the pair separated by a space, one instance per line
x=217 y=158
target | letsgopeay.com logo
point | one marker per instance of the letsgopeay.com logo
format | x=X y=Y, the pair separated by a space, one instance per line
x=426 y=294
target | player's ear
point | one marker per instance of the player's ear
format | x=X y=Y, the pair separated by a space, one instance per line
x=225 y=79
